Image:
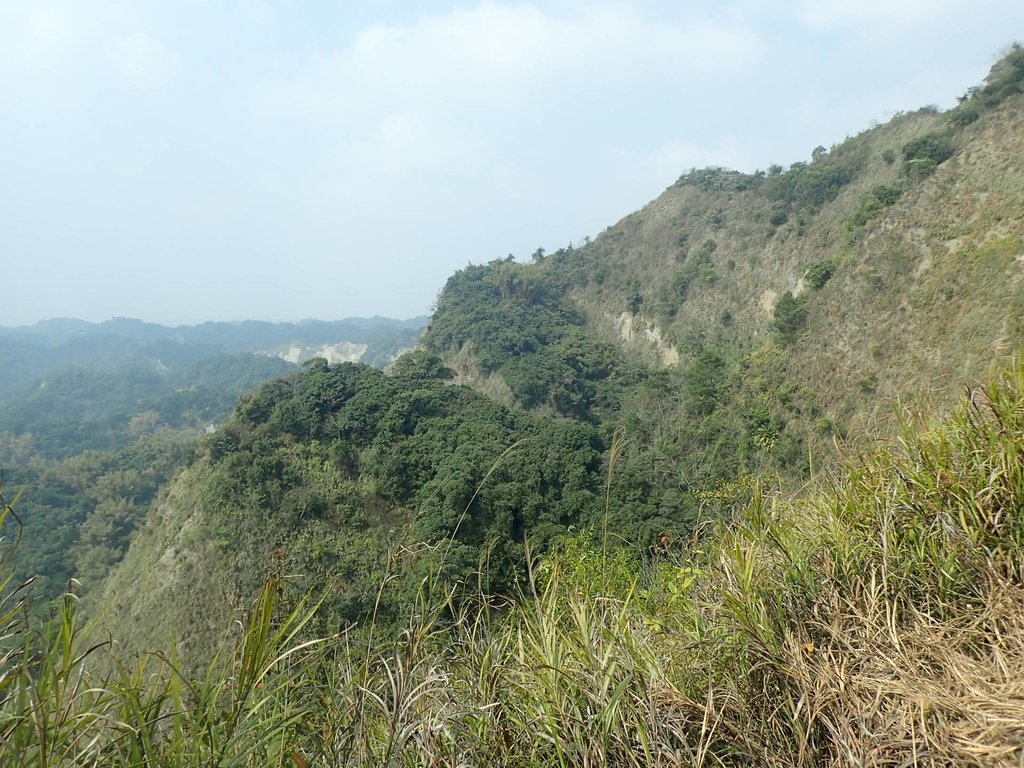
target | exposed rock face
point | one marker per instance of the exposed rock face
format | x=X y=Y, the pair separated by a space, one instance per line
x=634 y=329
x=341 y=352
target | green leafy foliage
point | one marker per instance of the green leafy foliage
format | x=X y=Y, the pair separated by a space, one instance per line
x=92 y=443
x=347 y=455
x=789 y=317
x=703 y=383
x=809 y=185
x=89 y=409
x=874 y=203
x=819 y=273
x=778 y=217
x=698 y=268
x=520 y=328
x=903 y=566
x=720 y=179
x=923 y=154
x=1005 y=79
x=131 y=349
x=664 y=435
x=392 y=488
x=78 y=515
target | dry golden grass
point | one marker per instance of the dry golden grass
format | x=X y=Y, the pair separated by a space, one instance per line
x=875 y=621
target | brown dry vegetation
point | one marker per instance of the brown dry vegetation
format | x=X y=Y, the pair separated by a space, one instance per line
x=921 y=298
x=876 y=621
x=872 y=617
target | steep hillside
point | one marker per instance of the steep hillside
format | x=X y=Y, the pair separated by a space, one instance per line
x=371 y=483
x=53 y=346
x=796 y=306
x=878 y=620
x=94 y=417
x=740 y=324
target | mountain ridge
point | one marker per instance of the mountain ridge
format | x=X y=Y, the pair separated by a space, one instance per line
x=795 y=308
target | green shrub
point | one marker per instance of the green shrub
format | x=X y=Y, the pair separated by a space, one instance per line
x=707 y=248
x=809 y=186
x=873 y=203
x=704 y=383
x=965 y=114
x=875 y=615
x=1005 y=79
x=923 y=154
x=699 y=267
x=820 y=273
x=789 y=317
x=719 y=179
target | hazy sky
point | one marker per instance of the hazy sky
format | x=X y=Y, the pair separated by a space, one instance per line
x=184 y=160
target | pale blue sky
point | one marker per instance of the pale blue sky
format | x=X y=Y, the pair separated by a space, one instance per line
x=188 y=160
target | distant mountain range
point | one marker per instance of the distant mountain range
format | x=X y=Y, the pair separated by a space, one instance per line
x=738 y=326
x=242 y=336
x=94 y=417
x=32 y=352
x=579 y=478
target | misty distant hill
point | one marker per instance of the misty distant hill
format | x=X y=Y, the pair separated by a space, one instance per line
x=33 y=352
x=242 y=336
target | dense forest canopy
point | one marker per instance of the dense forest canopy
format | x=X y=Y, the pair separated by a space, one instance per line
x=96 y=417
x=618 y=490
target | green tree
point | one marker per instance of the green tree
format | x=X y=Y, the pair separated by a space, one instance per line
x=790 y=317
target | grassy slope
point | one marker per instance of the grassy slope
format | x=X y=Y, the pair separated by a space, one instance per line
x=920 y=299
x=183 y=582
x=352 y=478
x=920 y=295
x=875 y=621
x=872 y=617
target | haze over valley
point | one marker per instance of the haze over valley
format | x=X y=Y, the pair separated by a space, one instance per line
x=735 y=479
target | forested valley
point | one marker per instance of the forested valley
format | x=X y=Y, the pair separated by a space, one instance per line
x=739 y=481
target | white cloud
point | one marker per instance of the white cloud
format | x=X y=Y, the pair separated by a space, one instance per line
x=143 y=62
x=82 y=44
x=456 y=93
x=39 y=37
x=410 y=144
x=839 y=13
x=500 y=58
x=386 y=154
x=678 y=156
